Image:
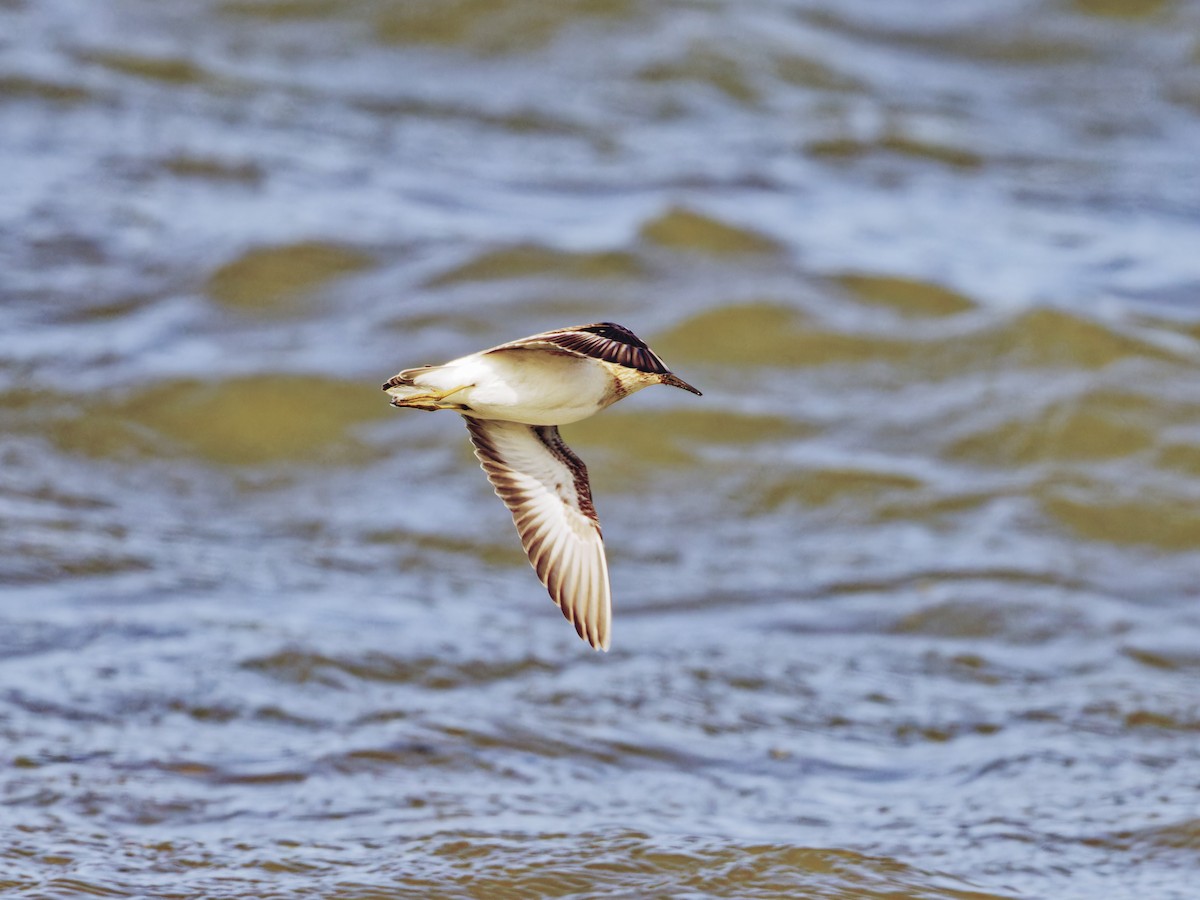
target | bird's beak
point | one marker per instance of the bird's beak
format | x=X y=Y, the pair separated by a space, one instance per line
x=675 y=381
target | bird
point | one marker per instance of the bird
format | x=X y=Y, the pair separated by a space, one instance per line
x=513 y=398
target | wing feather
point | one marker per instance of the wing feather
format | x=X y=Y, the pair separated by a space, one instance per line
x=607 y=341
x=545 y=486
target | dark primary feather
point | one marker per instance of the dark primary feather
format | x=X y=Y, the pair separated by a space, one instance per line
x=602 y=340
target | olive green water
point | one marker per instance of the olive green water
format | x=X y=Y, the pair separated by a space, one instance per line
x=906 y=604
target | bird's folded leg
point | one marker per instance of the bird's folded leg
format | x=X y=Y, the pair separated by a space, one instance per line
x=427 y=400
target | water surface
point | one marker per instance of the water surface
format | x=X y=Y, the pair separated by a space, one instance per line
x=905 y=604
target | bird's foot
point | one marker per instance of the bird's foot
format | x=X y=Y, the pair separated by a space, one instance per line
x=430 y=400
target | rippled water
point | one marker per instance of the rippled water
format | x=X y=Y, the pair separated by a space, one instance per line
x=906 y=604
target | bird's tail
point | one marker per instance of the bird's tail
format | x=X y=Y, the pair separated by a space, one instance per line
x=408 y=378
x=421 y=388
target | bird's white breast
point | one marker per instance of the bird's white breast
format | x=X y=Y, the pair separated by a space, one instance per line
x=532 y=386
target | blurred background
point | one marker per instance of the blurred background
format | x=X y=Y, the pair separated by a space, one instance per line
x=905 y=604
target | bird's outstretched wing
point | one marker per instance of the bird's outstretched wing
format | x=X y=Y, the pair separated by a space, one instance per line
x=545 y=486
x=606 y=341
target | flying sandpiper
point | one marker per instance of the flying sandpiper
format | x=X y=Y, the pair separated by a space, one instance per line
x=513 y=398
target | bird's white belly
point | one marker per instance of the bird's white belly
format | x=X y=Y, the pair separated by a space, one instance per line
x=532 y=386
